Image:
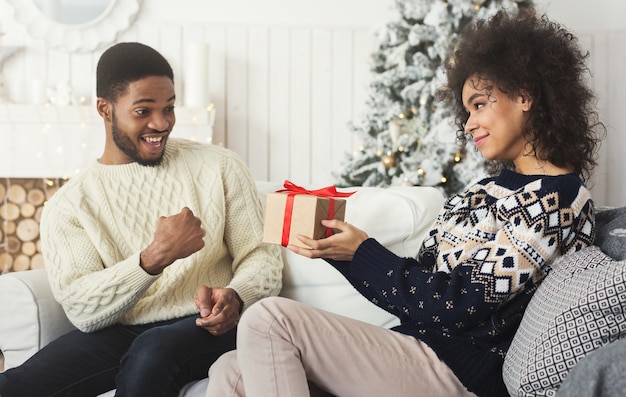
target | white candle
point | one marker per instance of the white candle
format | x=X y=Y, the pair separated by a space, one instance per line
x=196 y=75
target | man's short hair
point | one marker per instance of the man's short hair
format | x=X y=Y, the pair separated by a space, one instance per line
x=125 y=63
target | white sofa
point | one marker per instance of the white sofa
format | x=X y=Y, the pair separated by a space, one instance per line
x=398 y=217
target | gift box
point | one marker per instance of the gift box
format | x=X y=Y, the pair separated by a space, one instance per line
x=297 y=211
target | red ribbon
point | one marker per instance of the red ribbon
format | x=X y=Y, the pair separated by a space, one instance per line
x=292 y=190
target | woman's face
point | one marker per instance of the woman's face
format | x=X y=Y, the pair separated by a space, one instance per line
x=496 y=122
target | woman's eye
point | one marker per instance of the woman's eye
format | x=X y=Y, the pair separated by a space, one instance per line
x=479 y=105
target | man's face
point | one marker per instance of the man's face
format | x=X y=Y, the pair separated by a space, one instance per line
x=141 y=122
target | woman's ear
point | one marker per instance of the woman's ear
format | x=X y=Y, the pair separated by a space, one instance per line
x=105 y=109
x=525 y=100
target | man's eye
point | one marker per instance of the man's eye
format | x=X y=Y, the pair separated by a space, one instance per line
x=170 y=109
x=141 y=112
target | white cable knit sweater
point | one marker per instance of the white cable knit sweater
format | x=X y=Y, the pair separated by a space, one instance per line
x=94 y=228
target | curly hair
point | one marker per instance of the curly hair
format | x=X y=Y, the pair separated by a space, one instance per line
x=524 y=52
x=125 y=63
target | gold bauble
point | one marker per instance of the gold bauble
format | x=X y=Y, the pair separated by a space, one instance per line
x=388 y=161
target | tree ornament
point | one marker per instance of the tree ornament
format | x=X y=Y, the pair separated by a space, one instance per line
x=394 y=131
x=388 y=161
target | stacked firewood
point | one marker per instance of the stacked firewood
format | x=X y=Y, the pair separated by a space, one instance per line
x=21 y=202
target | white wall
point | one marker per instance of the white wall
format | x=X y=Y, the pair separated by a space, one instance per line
x=286 y=77
x=581 y=15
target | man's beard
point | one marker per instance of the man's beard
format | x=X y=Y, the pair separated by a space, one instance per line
x=127 y=146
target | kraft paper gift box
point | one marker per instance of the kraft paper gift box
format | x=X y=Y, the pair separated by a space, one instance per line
x=297 y=211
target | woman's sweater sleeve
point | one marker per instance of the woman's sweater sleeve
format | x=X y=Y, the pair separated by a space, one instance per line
x=497 y=261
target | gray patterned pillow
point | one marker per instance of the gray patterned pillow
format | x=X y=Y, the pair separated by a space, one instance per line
x=579 y=307
x=611 y=232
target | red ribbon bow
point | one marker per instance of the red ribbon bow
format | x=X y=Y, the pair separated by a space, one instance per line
x=292 y=190
x=329 y=191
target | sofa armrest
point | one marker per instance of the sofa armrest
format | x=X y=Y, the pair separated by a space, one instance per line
x=30 y=318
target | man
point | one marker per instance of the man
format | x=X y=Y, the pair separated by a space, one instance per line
x=129 y=244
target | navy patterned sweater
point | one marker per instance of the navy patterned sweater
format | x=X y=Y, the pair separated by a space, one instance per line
x=491 y=245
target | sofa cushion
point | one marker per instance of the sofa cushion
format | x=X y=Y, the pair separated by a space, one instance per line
x=398 y=217
x=579 y=307
x=600 y=373
x=35 y=317
x=611 y=232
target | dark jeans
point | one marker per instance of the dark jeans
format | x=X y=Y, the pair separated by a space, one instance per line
x=155 y=359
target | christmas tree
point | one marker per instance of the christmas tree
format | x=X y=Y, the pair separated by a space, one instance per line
x=408 y=137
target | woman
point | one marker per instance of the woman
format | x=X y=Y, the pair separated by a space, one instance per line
x=517 y=85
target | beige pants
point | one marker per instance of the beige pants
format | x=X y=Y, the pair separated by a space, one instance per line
x=283 y=346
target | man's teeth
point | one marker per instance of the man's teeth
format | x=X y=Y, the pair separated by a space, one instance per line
x=154 y=139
